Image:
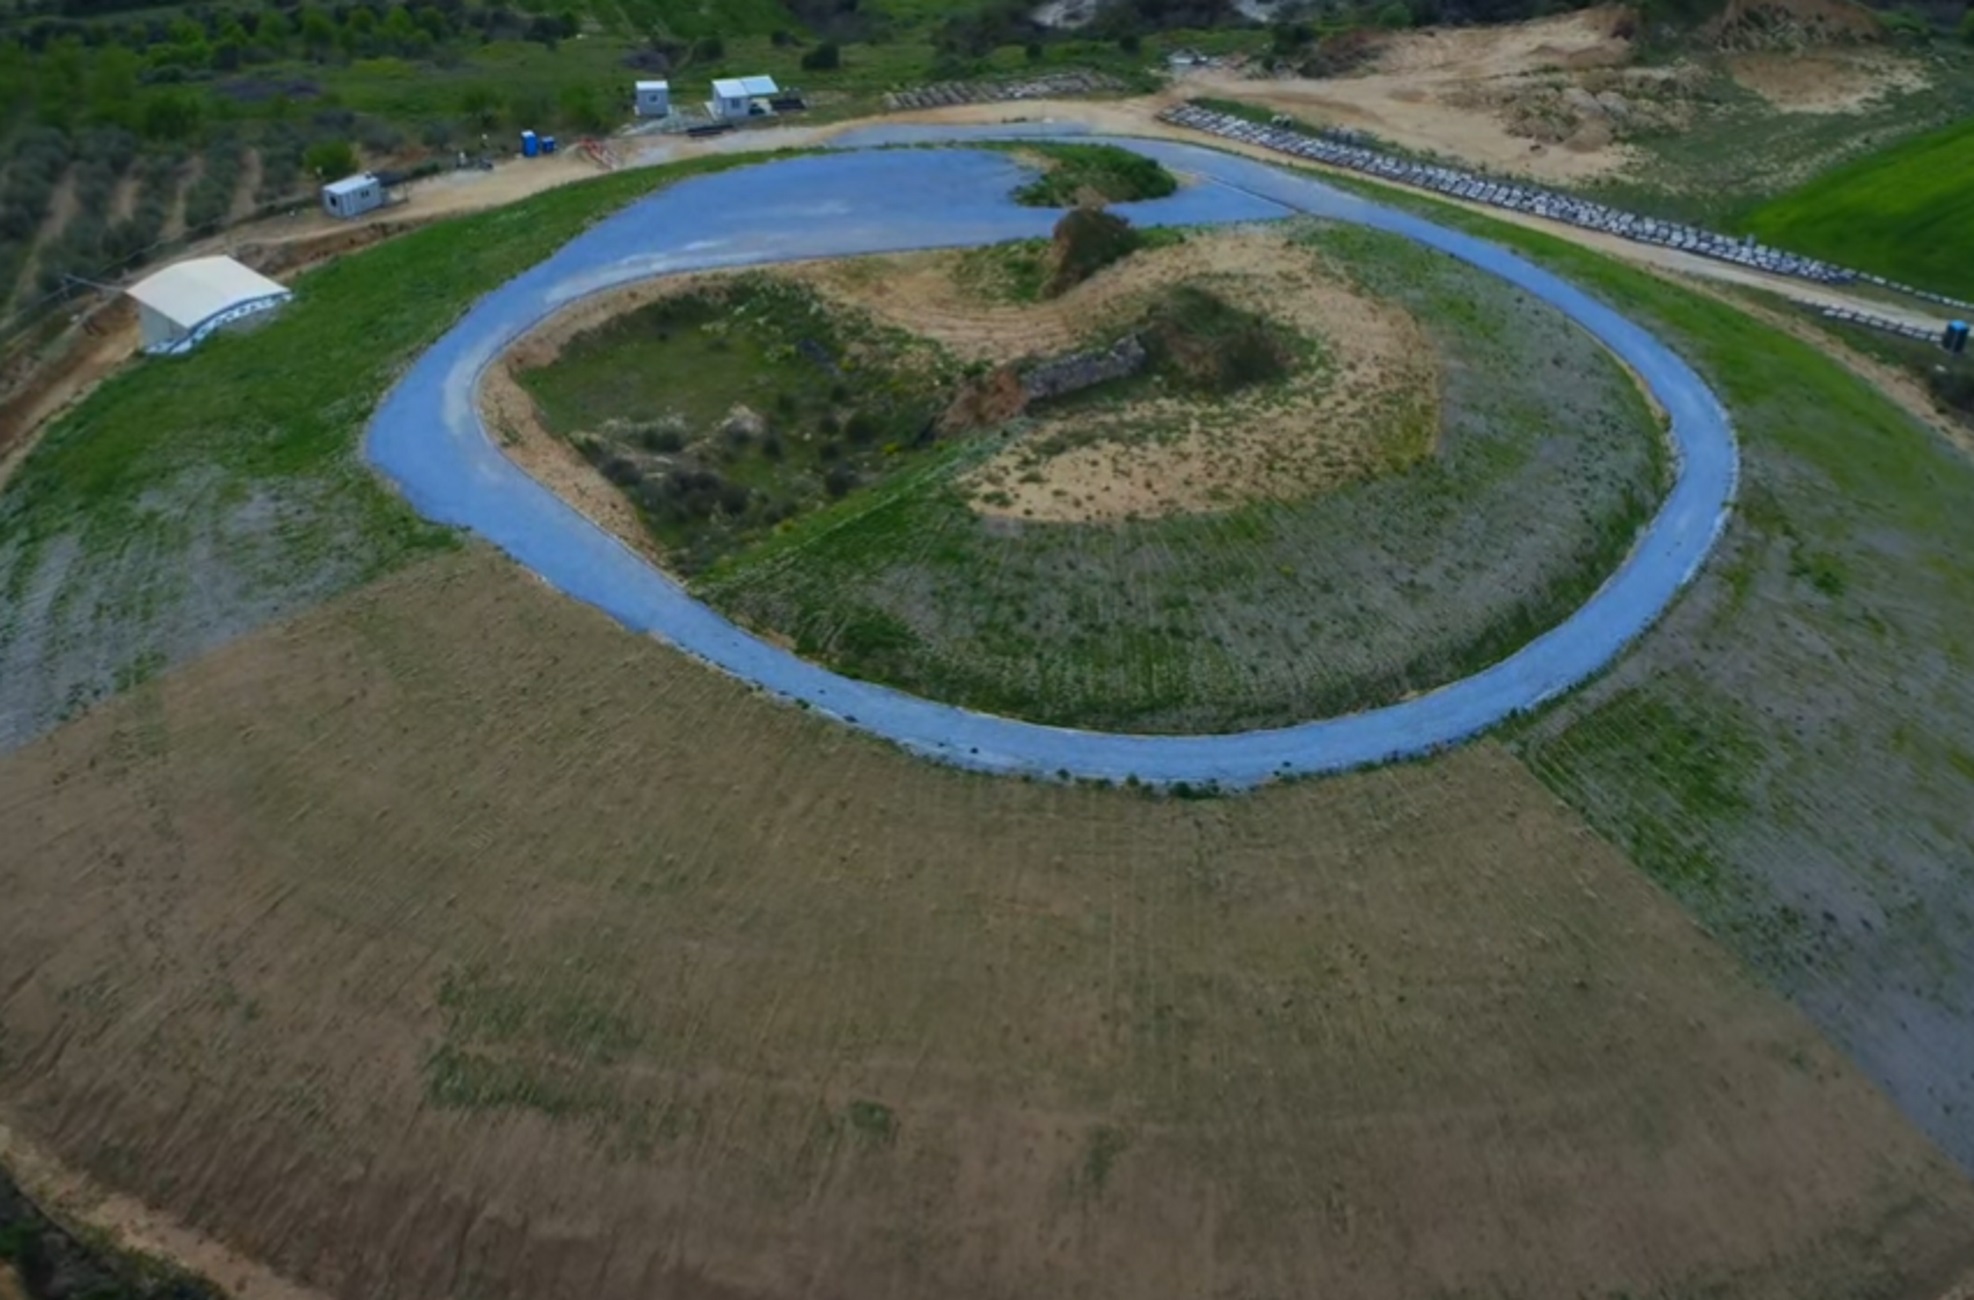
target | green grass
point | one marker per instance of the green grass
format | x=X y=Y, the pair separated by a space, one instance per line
x=1077 y=173
x=211 y=491
x=1782 y=746
x=1905 y=213
x=727 y=411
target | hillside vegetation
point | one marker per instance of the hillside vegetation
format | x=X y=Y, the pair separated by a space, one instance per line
x=123 y=551
x=1903 y=213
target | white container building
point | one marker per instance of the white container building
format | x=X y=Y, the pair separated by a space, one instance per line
x=353 y=195
x=733 y=97
x=653 y=99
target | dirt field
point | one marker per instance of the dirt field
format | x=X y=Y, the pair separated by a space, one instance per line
x=1423 y=90
x=452 y=940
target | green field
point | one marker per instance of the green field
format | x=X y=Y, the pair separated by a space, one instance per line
x=1905 y=213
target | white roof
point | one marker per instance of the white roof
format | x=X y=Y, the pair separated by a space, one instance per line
x=654 y=85
x=192 y=293
x=350 y=184
x=744 y=87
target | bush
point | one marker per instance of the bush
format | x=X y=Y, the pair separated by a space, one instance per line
x=330 y=160
x=1113 y=174
x=862 y=427
x=1087 y=240
x=1210 y=345
x=823 y=58
x=621 y=470
x=1953 y=384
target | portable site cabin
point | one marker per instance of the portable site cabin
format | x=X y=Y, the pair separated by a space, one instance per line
x=182 y=304
x=653 y=99
x=353 y=195
x=734 y=97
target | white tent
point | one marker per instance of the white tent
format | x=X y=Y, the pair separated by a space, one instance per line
x=183 y=303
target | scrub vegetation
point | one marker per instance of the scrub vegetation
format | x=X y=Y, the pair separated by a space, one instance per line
x=1090 y=175
x=726 y=410
x=1249 y=612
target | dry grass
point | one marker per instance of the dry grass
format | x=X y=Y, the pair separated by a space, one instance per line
x=1370 y=407
x=451 y=940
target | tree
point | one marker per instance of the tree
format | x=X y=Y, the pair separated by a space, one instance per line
x=709 y=49
x=823 y=58
x=330 y=160
x=273 y=33
x=399 y=28
x=171 y=116
x=318 y=32
x=1967 y=26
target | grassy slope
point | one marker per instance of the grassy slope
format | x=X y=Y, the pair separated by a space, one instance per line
x=1789 y=749
x=187 y=500
x=1903 y=213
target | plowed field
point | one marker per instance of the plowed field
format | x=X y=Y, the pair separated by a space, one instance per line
x=452 y=941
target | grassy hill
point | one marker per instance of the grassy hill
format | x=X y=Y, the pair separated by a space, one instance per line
x=1902 y=213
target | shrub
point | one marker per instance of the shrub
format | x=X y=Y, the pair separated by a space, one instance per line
x=330 y=160
x=1211 y=345
x=1086 y=240
x=862 y=427
x=622 y=471
x=823 y=58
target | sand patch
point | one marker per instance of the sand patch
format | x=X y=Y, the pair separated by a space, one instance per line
x=1369 y=406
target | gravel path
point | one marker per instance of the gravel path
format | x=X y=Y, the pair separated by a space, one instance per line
x=427 y=438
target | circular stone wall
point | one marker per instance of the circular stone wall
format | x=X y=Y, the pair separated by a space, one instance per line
x=427 y=438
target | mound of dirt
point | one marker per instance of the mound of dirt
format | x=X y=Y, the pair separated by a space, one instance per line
x=1368 y=405
x=1791 y=25
x=1827 y=81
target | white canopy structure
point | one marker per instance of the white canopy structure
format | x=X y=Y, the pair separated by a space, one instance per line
x=180 y=305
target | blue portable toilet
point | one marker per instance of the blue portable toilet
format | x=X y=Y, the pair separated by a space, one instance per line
x=548 y=144
x=1955 y=339
x=530 y=144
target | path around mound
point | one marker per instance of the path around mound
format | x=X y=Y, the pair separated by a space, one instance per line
x=428 y=440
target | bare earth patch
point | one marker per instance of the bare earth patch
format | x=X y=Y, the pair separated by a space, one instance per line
x=1454 y=91
x=1827 y=81
x=451 y=940
x=1370 y=408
